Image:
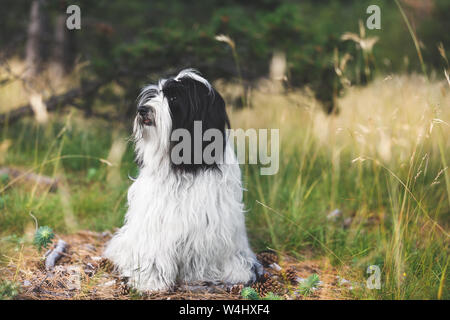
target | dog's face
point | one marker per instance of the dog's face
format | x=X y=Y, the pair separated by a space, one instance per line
x=176 y=103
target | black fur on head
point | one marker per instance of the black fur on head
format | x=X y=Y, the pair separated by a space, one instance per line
x=193 y=100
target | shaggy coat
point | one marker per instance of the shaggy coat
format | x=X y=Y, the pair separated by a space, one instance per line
x=185 y=222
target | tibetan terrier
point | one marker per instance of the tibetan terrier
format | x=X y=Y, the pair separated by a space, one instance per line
x=185 y=221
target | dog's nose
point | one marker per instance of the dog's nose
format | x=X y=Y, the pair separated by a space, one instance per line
x=143 y=110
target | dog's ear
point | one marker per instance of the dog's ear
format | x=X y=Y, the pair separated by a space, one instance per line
x=191 y=100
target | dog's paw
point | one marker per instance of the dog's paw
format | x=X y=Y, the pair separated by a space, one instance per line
x=257 y=272
x=147 y=285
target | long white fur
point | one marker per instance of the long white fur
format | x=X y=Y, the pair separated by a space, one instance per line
x=180 y=227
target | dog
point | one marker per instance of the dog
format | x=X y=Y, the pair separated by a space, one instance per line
x=185 y=221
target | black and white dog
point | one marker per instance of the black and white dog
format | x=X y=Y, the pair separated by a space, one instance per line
x=185 y=221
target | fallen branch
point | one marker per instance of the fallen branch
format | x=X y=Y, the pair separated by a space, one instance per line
x=55 y=255
x=52 y=103
x=49 y=182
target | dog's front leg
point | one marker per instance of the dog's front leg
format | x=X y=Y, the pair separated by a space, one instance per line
x=156 y=274
x=148 y=268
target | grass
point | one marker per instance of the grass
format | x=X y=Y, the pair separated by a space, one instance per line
x=380 y=161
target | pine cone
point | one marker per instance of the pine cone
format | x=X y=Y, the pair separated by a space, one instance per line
x=267 y=258
x=291 y=274
x=124 y=289
x=236 y=289
x=267 y=285
x=275 y=287
x=260 y=288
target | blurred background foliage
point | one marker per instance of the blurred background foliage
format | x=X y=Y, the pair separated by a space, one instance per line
x=133 y=40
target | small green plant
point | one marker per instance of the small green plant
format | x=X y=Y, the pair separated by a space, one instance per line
x=307 y=286
x=249 y=294
x=136 y=295
x=43 y=237
x=272 y=296
x=8 y=290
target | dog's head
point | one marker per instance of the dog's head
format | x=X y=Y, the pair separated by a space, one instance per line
x=181 y=102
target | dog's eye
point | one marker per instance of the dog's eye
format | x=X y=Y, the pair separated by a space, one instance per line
x=172 y=99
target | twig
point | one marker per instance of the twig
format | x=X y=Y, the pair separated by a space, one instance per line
x=35 y=220
x=55 y=255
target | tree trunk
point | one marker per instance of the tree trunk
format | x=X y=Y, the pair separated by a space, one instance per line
x=63 y=49
x=36 y=52
x=34 y=47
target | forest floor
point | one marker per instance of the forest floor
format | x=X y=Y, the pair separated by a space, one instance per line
x=82 y=273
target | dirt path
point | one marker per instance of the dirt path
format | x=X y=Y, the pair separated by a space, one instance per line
x=82 y=274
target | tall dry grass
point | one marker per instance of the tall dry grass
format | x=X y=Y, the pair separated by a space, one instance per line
x=381 y=161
